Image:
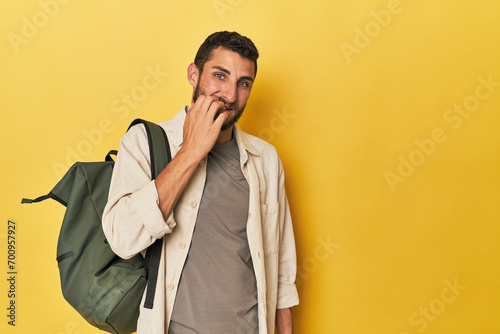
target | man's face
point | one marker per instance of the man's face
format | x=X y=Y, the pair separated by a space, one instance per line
x=229 y=77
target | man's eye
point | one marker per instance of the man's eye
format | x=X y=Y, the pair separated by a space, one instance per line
x=243 y=83
x=219 y=76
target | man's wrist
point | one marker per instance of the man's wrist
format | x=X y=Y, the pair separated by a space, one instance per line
x=284 y=323
x=189 y=158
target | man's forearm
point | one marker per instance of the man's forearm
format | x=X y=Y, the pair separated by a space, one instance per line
x=171 y=182
x=284 y=321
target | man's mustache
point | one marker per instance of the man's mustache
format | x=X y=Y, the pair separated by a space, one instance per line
x=228 y=105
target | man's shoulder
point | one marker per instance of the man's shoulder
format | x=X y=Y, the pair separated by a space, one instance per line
x=175 y=124
x=263 y=149
x=136 y=137
x=168 y=124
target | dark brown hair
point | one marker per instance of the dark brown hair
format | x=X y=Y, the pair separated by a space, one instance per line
x=229 y=40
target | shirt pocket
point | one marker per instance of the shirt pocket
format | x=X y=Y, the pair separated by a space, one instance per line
x=270 y=227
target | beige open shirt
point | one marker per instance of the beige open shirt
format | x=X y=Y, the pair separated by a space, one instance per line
x=132 y=220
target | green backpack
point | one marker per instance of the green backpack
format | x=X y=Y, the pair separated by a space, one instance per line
x=104 y=288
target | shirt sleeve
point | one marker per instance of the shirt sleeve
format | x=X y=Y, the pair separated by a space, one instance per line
x=287 y=291
x=132 y=219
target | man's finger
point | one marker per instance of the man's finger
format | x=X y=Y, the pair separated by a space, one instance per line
x=206 y=103
x=198 y=103
x=221 y=118
x=214 y=108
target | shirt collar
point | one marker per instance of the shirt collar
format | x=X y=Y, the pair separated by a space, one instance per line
x=242 y=140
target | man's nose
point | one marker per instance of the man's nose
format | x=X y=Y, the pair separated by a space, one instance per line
x=230 y=93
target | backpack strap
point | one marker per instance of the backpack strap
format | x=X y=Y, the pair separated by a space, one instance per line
x=43 y=198
x=160 y=156
x=159 y=150
x=109 y=155
x=38 y=199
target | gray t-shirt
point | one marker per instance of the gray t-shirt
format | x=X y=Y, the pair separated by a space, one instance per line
x=217 y=291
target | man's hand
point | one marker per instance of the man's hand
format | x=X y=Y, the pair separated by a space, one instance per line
x=200 y=134
x=202 y=127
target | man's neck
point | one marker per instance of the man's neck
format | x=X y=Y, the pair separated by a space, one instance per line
x=225 y=136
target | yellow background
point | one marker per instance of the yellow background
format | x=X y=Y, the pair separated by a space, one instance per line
x=344 y=91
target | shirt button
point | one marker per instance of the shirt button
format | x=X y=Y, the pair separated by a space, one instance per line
x=170 y=286
x=182 y=245
x=193 y=204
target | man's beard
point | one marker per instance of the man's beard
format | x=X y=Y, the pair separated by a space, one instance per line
x=228 y=122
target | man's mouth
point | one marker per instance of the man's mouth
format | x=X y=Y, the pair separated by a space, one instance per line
x=220 y=111
x=227 y=106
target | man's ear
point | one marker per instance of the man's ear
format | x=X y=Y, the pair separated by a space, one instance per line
x=193 y=74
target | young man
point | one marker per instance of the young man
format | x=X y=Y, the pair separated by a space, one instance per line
x=228 y=260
